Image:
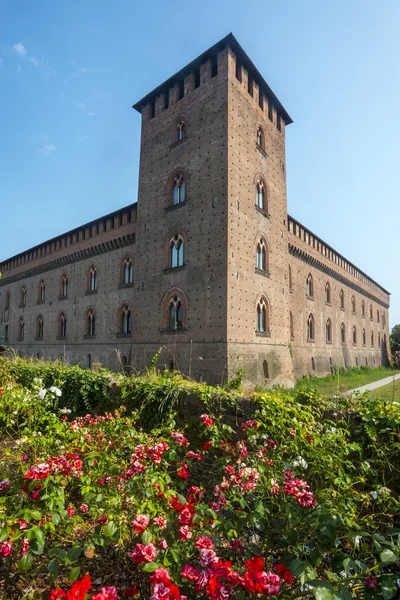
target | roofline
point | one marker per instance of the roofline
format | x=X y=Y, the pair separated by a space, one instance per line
x=53 y=239
x=232 y=42
x=338 y=253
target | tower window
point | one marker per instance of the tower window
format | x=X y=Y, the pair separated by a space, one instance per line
x=260 y=195
x=343 y=333
x=64 y=286
x=310 y=286
x=180 y=131
x=178 y=190
x=260 y=138
x=364 y=338
x=90 y=322
x=21 y=329
x=262 y=256
x=328 y=331
x=127 y=271
x=62 y=325
x=354 y=335
x=176 y=251
x=39 y=327
x=353 y=304
x=327 y=293
x=341 y=299
x=23 y=296
x=175 y=313
x=310 y=328
x=125 y=320
x=42 y=291
x=92 y=279
x=262 y=316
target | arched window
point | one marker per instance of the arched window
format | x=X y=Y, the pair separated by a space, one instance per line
x=372 y=339
x=180 y=131
x=260 y=194
x=310 y=327
x=379 y=340
x=39 y=327
x=127 y=271
x=353 y=304
x=371 y=312
x=343 y=333
x=21 y=329
x=290 y=279
x=178 y=190
x=362 y=308
x=175 y=313
x=291 y=326
x=265 y=369
x=125 y=319
x=378 y=316
x=7 y=300
x=262 y=256
x=341 y=299
x=310 y=286
x=263 y=317
x=327 y=293
x=260 y=137
x=92 y=279
x=23 y=296
x=364 y=338
x=328 y=330
x=90 y=322
x=354 y=335
x=62 y=325
x=64 y=286
x=42 y=291
x=176 y=246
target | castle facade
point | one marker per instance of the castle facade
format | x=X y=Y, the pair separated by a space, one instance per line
x=207 y=264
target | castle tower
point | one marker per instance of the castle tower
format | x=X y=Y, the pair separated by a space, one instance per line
x=211 y=272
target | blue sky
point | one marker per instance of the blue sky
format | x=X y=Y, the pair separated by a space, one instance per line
x=70 y=71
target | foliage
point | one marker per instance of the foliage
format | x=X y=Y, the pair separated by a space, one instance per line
x=300 y=500
x=395 y=345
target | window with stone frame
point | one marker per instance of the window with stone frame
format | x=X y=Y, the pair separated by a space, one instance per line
x=126 y=271
x=39 y=327
x=90 y=322
x=353 y=304
x=178 y=190
x=42 y=291
x=263 y=316
x=343 y=333
x=328 y=330
x=327 y=293
x=260 y=195
x=354 y=335
x=64 y=286
x=21 y=328
x=341 y=299
x=180 y=131
x=310 y=286
x=23 y=296
x=92 y=279
x=62 y=325
x=310 y=328
x=260 y=138
x=176 y=251
x=125 y=319
x=262 y=255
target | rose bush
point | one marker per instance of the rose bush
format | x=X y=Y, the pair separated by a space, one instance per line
x=288 y=502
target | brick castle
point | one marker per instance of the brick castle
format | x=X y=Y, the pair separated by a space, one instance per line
x=207 y=264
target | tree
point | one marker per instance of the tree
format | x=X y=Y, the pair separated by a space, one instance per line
x=395 y=345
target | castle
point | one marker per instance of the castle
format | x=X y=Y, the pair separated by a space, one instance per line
x=207 y=264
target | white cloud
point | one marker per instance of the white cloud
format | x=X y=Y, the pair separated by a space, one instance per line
x=81 y=106
x=46 y=149
x=34 y=61
x=20 y=50
x=91 y=114
x=83 y=138
x=82 y=70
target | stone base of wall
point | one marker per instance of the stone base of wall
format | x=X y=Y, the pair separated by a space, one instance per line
x=252 y=358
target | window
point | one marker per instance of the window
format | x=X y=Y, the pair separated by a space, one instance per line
x=62 y=325
x=23 y=296
x=372 y=339
x=313 y=363
x=176 y=247
x=364 y=338
x=92 y=279
x=39 y=327
x=310 y=286
x=371 y=312
x=378 y=316
x=64 y=286
x=125 y=320
x=89 y=361
x=175 y=313
x=263 y=316
x=180 y=131
x=90 y=322
x=341 y=299
x=42 y=291
x=353 y=304
x=127 y=271
x=260 y=138
x=310 y=328
x=262 y=256
x=363 y=308
x=327 y=293
x=178 y=190
x=354 y=335
x=260 y=194
x=290 y=279
x=328 y=330
x=343 y=333
x=21 y=329
x=7 y=301
x=265 y=369
x=291 y=326
x=6 y=334
x=379 y=340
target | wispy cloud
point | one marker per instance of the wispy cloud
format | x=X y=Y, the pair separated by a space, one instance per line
x=83 y=138
x=20 y=50
x=33 y=60
x=46 y=149
x=91 y=114
x=81 y=106
x=82 y=70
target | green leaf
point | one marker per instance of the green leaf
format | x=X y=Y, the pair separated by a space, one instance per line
x=166 y=561
x=39 y=535
x=297 y=567
x=175 y=555
x=387 y=556
x=25 y=562
x=110 y=529
x=52 y=567
x=150 y=567
x=260 y=509
x=74 y=574
x=56 y=518
x=323 y=593
x=146 y=537
x=73 y=554
x=388 y=588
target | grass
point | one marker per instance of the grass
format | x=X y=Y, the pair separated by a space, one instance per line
x=388 y=392
x=346 y=379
